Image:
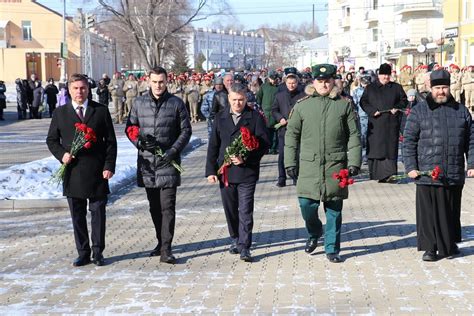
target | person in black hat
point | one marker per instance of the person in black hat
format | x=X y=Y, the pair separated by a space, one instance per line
x=383 y=101
x=322 y=138
x=439 y=133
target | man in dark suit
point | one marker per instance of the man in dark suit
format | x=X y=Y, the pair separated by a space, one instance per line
x=285 y=99
x=87 y=172
x=238 y=191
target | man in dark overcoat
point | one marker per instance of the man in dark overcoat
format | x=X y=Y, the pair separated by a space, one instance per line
x=164 y=124
x=282 y=105
x=383 y=101
x=439 y=133
x=88 y=172
x=238 y=186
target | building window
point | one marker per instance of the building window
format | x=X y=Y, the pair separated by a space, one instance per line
x=375 y=35
x=26 y=28
x=375 y=4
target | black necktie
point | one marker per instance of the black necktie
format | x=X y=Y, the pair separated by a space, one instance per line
x=80 y=113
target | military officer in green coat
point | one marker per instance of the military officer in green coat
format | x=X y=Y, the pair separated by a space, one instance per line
x=323 y=127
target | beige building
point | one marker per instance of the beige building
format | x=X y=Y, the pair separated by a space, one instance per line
x=30 y=42
x=370 y=32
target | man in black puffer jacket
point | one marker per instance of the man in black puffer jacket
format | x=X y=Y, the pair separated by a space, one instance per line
x=164 y=124
x=439 y=133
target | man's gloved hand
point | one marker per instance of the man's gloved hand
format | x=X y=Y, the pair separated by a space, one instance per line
x=353 y=171
x=170 y=154
x=147 y=143
x=291 y=172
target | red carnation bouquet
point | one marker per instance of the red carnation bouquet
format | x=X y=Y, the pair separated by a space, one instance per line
x=343 y=177
x=241 y=146
x=434 y=174
x=84 y=136
x=133 y=133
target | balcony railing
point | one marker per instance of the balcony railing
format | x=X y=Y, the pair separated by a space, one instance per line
x=371 y=16
x=426 y=5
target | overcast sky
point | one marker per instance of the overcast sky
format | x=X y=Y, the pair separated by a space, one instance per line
x=250 y=13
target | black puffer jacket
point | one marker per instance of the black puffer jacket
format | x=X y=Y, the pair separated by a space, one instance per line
x=439 y=135
x=167 y=119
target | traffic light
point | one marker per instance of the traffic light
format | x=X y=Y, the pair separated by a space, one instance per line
x=89 y=20
x=58 y=62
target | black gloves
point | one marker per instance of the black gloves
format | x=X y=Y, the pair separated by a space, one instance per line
x=353 y=171
x=147 y=143
x=170 y=154
x=291 y=172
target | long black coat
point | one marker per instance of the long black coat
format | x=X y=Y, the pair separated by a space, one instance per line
x=224 y=132
x=383 y=131
x=51 y=92
x=84 y=175
x=168 y=121
x=284 y=102
x=439 y=135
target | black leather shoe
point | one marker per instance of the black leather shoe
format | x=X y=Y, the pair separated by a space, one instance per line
x=334 y=257
x=430 y=256
x=281 y=184
x=311 y=244
x=156 y=252
x=245 y=255
x=233 y=247
x=81 y=261
x=98 y=260
x=167 y=258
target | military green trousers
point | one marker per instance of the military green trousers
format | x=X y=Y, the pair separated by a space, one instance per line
x=332 y=209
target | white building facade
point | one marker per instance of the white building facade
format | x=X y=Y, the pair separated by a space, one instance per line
x=225 y=49
x=370 y=32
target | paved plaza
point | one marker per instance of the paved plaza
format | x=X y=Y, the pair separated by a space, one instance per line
x=382 y=273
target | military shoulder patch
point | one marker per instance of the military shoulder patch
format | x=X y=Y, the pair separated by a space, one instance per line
x=303 y=98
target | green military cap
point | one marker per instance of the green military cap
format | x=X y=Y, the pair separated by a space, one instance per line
x=324 y=71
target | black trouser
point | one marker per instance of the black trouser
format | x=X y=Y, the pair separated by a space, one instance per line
x=163 y=213
x=1 y=112
x=78 y=208
x=281 y=158
x=238 y=202
x=52 y=107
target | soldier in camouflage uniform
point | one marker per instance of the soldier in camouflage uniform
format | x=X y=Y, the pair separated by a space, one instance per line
x=456 y=84
x=406 y=78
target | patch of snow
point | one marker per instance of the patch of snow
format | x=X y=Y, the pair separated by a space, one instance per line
x=32 y=180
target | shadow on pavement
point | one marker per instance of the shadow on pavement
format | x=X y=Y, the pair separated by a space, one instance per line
x=280 y=239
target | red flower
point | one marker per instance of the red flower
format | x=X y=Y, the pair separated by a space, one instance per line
x=344 y=173
x=435 y=173
x=87 y=145
x=81 y=127
x=249 y=141
x=343 y=177
x=343 y=183
x=133 y=132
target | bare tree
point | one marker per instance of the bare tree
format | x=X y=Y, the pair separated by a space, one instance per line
x=152 y=24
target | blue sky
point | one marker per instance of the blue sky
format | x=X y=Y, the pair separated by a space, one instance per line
x=250 y=13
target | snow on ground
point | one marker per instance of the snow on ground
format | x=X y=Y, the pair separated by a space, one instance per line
x=32 y=180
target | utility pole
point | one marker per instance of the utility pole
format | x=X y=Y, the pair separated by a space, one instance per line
x=63 y=48
x=312 y=32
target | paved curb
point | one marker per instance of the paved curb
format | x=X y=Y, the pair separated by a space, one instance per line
x=41 y=204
